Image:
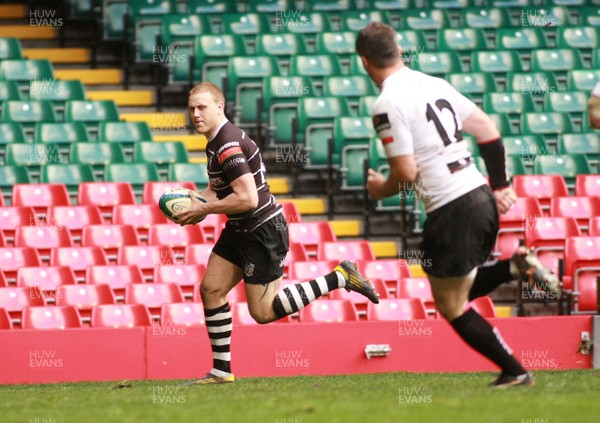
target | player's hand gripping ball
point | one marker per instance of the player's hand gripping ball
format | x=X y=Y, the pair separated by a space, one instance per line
x=176 y=200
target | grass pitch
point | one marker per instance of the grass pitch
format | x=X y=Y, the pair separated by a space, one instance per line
x=559 y=396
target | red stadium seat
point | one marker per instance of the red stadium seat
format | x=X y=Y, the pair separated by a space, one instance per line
x=327 y=311
x=311 y=234
x=140 y=216
x=360 y=301
x=120 y=316
x=296 y=252
x=13 y=217
x=198 y=253
x=546 y=236
x=484 y=306
x=182 y=314
x=417 y=287
x=116 y=276
x=153 y=190
x=580 y=208
x=241 y=315
x=2 y=240
x=146 y=257
x=109 y=237
x=594 y=226
x=184 y=275
x=582 y=254
x=47 y=278
x=3 y=281
x=14 y=298
x=74 y=218
x=390 y=271
x=84 y=297
x=237 y=294
x=512 y=225
x=397 y=309
x=587 y=283
x=307 y=270
x=43 y=238
x=105 y=195
x=50 y=317
x=175 y=236
x=542 y=187
x=587 y=185
x=78 y=258
x=290 y=212
x=40 y=196
x=153 y=295
x=345 y=250
x=5 y=321
x=212 y=226
x=13 y=258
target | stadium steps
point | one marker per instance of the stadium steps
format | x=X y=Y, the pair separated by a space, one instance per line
x=384 y=249
x=13 y=11
x=92 y=76
x=308 y=206
x=27 y=32
x=59 y=55
x=191 y=142
x=124 y=98
x=346 y=228
x=158 y=121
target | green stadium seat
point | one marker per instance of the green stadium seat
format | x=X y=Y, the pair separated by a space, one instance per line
x=590 y=15
x=472 y=83
x=355 y=20
x=365 y=105
x=96 y=154
x=189 y=172
x=566 y=165
x=352 y=167
x=544 y=17
x=212 y=53
x=211 y=6
x=532 y=82
x=245 y=80
x=546 y=123
x=567 y=101
x=315 y=124
x=356 y=67
x=124 y=133
x=330 y=5
x=145 y=42
x=472 y=145
x=377 y=156
x=461 y=39
x=10 y=133
x=91 y=112
x=178 y=29
x=527 y=146
x=587 y=143
x=135 y=173
x=521 y=38
x=33 y=157
x=280 y=103
x=509 y=102
x=28 y=113
x=425 y=19
x=248 y=25
x=596 y=59
x=160 y=154
x=283 y=46
x=61 y=133
x=411 y=41
x=561 y=59
x=582 y=37
x=499 y=61
x=9 y=90
x=71 y=175
x=112 y=16
x=57 y=91
x=390 y=4
x=315 y=65
x=339 y=43
x=269 y=6
x=484 y=18
x=10 y=48
x=302 y=22
x=24 y=71
x=515 y=166
x=503 y=124
x=582 y=79
x=352 y=130
x=11 y=175
x=353 y=87
x=437 y=63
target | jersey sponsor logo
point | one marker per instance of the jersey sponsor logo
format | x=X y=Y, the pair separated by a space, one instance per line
x=231 y=163
x=387 y=140
x=226 y=146
x=381 y=122
x=230 y=152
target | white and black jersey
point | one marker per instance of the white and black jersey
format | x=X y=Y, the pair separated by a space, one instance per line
x=231 y=153
x=417 y=114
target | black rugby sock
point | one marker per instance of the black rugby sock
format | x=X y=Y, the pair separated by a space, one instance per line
x=486 y=340
x=489 y=278
x=219 y=325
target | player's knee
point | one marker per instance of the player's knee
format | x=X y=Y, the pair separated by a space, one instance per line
x=211 y=291
x=262 y=317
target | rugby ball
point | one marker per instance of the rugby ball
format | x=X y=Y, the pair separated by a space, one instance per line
x=175 y=200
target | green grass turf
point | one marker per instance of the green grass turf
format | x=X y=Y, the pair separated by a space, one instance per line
x=560 y=396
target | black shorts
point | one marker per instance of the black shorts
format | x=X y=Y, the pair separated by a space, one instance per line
x=460 y=235
x=260 y=253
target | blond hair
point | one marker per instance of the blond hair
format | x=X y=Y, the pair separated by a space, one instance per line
x=211 y=88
